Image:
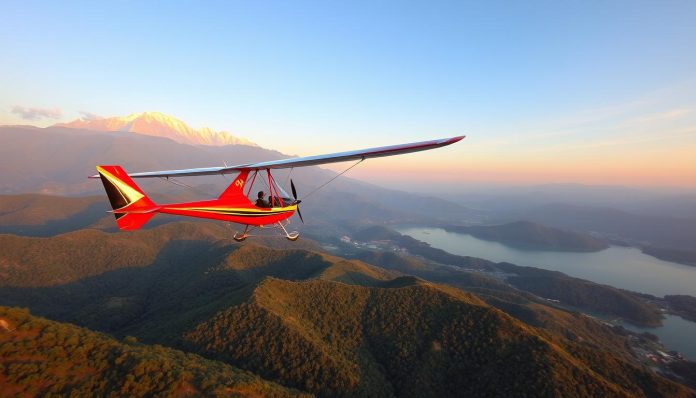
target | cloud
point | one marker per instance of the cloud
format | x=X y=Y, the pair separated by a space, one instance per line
x=36 y=113
x=85 y=115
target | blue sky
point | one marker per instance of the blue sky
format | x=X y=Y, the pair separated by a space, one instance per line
x=534 y=85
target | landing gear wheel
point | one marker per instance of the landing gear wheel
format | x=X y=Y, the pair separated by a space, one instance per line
x=240 y=237
x=292 y=236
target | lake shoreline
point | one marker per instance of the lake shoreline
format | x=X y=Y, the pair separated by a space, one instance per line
x=675 y=330
x=620 y=266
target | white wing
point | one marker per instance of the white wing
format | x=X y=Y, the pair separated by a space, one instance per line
x=304 y=161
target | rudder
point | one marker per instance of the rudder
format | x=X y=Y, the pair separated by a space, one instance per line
x=132 y=208
x=235 y=192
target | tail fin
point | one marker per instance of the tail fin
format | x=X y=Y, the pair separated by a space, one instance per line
x=235 y=191
x=132 y=208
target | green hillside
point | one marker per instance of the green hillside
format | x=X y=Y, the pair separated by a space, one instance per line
x=419 y=340
x=44 y=358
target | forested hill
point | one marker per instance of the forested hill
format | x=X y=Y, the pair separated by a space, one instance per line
x=44 y=358
x=528 y=235
x=413 y=340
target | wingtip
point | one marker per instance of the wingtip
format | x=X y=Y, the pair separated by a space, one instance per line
x=455 y=139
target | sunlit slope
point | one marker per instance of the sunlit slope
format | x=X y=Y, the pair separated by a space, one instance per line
x=40 y=357
x=416 y=340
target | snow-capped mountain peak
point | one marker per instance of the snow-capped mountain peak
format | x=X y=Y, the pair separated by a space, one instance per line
x=160 y=125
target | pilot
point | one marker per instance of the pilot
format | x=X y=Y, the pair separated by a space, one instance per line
x=261 y=202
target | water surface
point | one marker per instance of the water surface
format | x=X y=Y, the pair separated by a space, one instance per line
x=675 y=333
x=623 y=267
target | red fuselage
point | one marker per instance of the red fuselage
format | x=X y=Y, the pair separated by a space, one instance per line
x=242 y=213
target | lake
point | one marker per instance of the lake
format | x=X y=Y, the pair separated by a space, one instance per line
x=675 y=333
x=623 y=267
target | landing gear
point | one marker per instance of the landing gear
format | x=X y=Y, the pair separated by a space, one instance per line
x=241 y=237
x=292 y=236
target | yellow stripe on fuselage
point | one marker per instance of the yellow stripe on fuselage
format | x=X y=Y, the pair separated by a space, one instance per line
x=238 y=210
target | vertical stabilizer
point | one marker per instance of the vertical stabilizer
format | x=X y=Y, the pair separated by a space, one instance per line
x=132 y=208
x=235 y=192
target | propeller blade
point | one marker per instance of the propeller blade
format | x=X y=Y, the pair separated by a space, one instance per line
x=299 y=213
x=297 y=202
x=294 y=191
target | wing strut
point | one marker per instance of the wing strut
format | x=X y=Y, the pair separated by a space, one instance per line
x=327 y=182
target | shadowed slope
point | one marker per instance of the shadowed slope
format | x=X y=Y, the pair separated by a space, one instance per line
x=44 y=215
x=72 y=256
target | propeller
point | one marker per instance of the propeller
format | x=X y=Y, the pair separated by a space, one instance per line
x=294 y=191
x=297 y=202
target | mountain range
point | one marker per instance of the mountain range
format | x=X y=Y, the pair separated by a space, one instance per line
x=181 y=309
x=158 y=124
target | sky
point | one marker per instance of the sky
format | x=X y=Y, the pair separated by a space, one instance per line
x=547 y=92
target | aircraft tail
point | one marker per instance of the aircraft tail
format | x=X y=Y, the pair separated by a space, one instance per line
x=132 y=208
x=236 y=190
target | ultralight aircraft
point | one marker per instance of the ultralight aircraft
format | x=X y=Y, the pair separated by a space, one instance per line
x=132 y=207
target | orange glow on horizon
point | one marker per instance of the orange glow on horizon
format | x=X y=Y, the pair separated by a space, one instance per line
x=654 y=168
